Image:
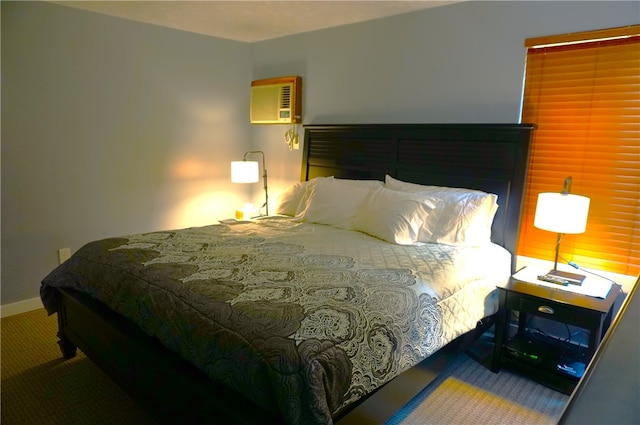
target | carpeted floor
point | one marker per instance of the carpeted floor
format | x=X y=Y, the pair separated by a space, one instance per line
x=40 y=388
x=468 y=393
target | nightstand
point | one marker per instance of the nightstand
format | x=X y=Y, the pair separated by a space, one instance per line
x=552 y=361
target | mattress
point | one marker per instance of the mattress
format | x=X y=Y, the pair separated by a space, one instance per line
x=301 y=318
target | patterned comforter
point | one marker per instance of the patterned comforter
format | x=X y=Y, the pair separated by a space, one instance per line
x=298 y=317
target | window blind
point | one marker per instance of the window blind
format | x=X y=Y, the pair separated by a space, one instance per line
x=583 y=92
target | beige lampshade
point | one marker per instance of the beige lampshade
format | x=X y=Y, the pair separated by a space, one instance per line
x=562 y=213
x=245 y=172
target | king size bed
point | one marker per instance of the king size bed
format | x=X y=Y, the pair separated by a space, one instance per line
x=385 y=254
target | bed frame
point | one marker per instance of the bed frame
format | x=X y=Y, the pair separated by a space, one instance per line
x=488 y=157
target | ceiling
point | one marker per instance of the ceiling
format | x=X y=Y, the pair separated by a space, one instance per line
x=252 y=21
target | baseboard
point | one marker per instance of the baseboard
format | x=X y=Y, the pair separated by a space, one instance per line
x=21 y=307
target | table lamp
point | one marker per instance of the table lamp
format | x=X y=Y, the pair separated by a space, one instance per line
x=562 y=213
x=248 y=172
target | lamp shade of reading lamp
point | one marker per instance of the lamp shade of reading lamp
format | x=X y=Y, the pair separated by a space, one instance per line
x=245 y=172
x=248 y=172
x=562 y=213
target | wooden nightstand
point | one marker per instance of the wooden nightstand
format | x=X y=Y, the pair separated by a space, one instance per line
x=542 y=357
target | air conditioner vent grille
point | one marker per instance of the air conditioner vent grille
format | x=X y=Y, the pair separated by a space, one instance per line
x=285 y=97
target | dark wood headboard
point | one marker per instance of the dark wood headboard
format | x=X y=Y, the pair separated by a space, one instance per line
x=489 y=157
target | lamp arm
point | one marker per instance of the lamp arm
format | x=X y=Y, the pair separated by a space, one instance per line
x=558 y=240
x=266 y=193
x=566 y=189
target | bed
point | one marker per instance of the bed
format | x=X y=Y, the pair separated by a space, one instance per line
x=303 y=317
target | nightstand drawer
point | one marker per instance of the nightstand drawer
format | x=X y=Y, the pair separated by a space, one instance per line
x=553 y=310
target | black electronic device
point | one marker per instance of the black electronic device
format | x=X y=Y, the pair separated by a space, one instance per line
x=527 y=350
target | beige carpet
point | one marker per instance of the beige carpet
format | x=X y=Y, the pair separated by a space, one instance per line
x=39 y=387
x=468 y=393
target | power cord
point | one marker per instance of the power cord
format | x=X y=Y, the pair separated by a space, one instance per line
x=577 y=267
x=291 y=138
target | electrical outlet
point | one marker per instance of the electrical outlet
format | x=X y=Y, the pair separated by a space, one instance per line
x=64 y=254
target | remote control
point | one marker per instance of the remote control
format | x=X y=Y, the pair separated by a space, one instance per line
x=553 y=279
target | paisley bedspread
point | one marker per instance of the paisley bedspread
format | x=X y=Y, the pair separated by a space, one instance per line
x=299 y=317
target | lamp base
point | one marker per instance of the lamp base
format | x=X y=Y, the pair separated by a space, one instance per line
x=572 y=278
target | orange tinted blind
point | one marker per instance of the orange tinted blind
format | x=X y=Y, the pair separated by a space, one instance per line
x=585 y=99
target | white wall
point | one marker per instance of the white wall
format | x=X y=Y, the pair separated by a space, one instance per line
x=111 y=127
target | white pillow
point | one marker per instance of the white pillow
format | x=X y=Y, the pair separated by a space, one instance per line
x=332 y=201
x=289 y=199
x=302 y=204
x=464 y=217
x=308 y=189
x=396 y=217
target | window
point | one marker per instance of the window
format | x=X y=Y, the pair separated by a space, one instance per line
x=583 y=92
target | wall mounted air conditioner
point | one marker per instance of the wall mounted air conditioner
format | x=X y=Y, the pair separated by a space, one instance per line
x=276 y=100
